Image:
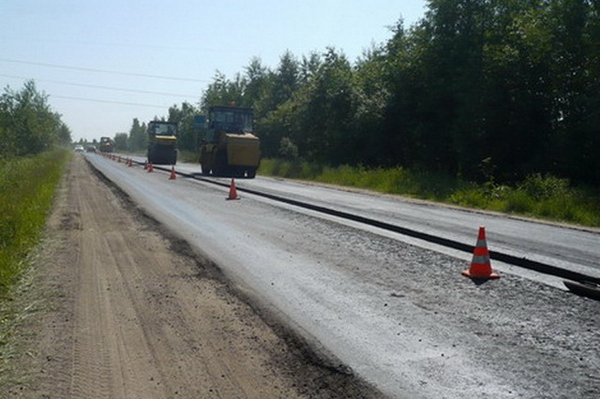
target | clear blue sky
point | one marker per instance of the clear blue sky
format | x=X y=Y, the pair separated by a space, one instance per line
x=80 y=52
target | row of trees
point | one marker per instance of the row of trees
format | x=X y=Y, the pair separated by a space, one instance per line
x=478 y=88
x=28 y=125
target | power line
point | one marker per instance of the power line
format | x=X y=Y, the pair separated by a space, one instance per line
x=104 y=87
x=110 y=102
x=143 y=75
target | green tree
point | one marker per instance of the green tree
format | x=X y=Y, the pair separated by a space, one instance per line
x=64 y=134
x=285 y=80
x=575 y=81
x=223 y=91
x=121 y=142
x=371 y=97
x=309 y=66
x=258 y=78
x=29 y=125
x=326 y=108
x=184 y=117
x=138 y=139
x=271 y=108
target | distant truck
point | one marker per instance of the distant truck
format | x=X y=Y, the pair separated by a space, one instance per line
x=107 y=144
x=162 y=142
x=229 y=147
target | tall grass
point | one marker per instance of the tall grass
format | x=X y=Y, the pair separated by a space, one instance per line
x=392 y=181
x=27 y=187
x=544 y=197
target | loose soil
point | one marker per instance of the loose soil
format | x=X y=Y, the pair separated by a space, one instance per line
x=114 y=308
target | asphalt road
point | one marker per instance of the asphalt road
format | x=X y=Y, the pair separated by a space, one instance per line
x=566 y=246
x=397 y=314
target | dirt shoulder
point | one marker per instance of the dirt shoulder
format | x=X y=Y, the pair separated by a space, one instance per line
x=111 y=308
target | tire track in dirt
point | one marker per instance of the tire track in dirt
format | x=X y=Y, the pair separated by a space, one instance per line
x=106 y=326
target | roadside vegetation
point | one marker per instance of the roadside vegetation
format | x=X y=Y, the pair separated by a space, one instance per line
x=539 y=196
x=33 y=142
x=27 y=187
x=31 y=163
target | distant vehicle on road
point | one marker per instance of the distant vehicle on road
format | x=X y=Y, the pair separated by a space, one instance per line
x=106 y=144
x=78 y=148
x=90 y=148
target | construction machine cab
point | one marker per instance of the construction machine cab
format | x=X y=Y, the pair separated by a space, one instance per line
x=164 y=128
x=228 y=119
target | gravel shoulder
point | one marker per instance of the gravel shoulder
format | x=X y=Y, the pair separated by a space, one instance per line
x=112 y=308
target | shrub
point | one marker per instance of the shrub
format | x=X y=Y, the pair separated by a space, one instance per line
x=518 y=202
x=542 y=187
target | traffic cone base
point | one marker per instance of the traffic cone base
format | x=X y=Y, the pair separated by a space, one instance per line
x=173 y=175
x=150 y=167
x=481 y=267
x=232 y=191
x=479 y=275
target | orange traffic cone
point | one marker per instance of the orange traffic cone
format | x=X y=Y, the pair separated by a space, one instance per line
x=150 y=168
x=173 y=174
x=232 y=191
x=481 y=268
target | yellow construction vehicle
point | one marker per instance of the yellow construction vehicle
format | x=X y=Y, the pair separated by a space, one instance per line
x=162 y=142
x=107 y=144
x=229 y=147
